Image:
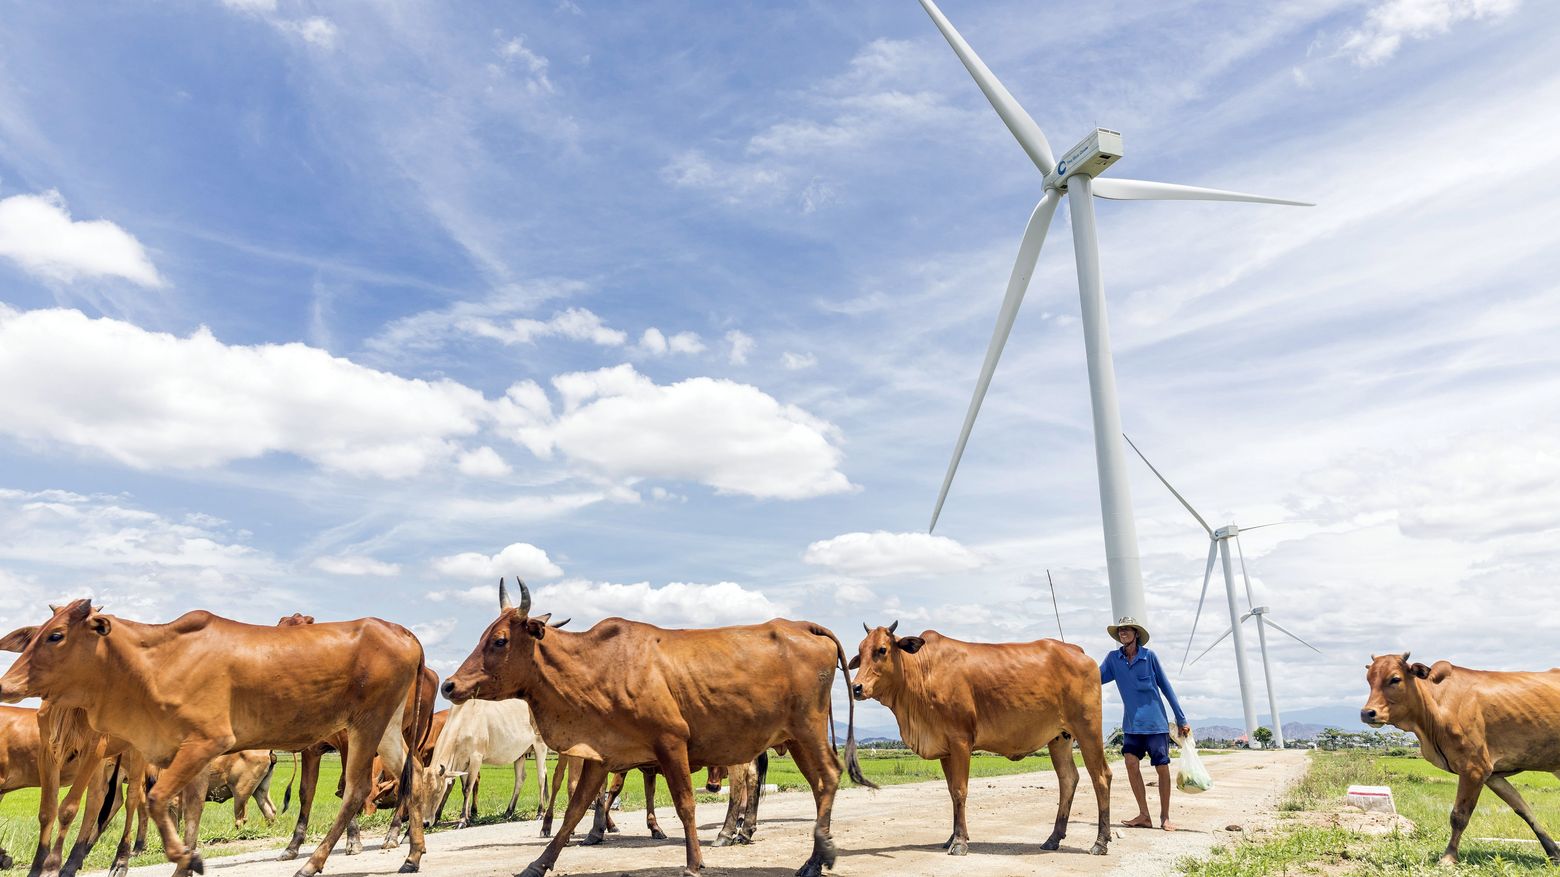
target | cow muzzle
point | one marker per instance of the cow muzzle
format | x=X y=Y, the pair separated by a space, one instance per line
x=1372 y=718
x=858 y=692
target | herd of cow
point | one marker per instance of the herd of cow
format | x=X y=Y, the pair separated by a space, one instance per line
x=173 y=711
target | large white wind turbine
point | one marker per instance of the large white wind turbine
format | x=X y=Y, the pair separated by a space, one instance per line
x=1076 y=174
x=1219 y=543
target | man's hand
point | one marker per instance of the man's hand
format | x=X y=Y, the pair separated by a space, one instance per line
x=1186 y=731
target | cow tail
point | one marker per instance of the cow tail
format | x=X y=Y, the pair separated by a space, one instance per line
x=403 y=802
x=763 y=776
x=107 y=809
x=852 y=765
x=287 y=795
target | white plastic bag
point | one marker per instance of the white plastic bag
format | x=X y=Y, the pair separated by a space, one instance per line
x=1190 y=775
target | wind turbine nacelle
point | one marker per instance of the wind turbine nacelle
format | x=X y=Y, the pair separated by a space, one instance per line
x=1091 y=156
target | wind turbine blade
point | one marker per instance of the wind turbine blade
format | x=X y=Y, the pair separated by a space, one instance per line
x=1285 y=632
x=1118 y=189
x=1215 y=642
x=1167 y=485
x=1213 y=550
x=1018 y=282
x=1243 y=577
x=1023 y=127
x=1268 y=524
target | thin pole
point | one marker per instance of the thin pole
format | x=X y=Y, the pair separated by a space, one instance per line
x=1267 y=676
x=1240 y=643
x=1054 y=608
x=1121 y=552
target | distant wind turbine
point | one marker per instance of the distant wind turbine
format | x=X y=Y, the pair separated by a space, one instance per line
x=1219 y=542
x=1075 y=174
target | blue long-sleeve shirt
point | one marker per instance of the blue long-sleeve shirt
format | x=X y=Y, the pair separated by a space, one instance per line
x=1139 y=683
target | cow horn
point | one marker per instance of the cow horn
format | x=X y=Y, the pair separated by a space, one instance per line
x=894 y=625
x=556 y=624
x=866 y=628
x=525 y=596
x=503 y=596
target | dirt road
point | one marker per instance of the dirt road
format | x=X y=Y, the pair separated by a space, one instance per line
x=896 y=831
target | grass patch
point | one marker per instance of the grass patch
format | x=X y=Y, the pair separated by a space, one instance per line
x=219 y=836
x=1423 y=793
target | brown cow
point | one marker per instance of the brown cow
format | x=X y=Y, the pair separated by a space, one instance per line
x=952 y=697
x=1482 y=725
x=625 y=694
x=201 y=685
x=416 y=722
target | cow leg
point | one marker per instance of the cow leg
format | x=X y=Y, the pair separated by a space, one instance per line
x=394 y=750
x=468 y=793
x=194 y=796
x=816 y=760
x=1067 y=785
x=757 y=773
x=602 y=821
x=650 y=821
x=263 y=794
x=672 y=758
x=308 y=781
x=1508 y=793
x=956 y=771
x=540 y=751
x=736 y=802
x=568 y=769
x=48 y=791
x=588 y=777
x=89 y=781
x=1090 y=740
x=1469 y=785
x=514 y=795
x=188 y=764
x=354 y=837
x=135 y=807
x=102 y=787
x=356 y=782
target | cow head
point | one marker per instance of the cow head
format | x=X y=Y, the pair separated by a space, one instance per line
x=1396 y=695
x=503 y=663
x=428 y=794
x=878 y=665
x=57 y=654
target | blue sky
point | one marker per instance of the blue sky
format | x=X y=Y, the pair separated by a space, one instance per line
x=675 y=310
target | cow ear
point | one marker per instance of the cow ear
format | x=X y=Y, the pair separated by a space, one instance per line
x=910 y=644
x=17 y=640
x=1439 y=671
x=1420 y=670
x=100 y=625
x=855 y=663
x=536 y=627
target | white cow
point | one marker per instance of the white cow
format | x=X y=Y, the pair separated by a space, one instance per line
x=482 y=732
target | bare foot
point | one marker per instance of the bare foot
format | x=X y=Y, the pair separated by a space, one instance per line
x=1140 y=821
x=1165 y=824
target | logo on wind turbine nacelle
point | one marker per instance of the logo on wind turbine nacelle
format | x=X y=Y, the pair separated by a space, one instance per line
x=1061 y=168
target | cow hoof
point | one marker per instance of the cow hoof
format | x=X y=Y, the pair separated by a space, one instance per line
x=119 y=871
x=305 y=871
x=287 y=856
x=408 y=867
x=812 y=868
x=1449 y=859
x=959 y=848
x=591 y=840
x=389 y=844
x=1052 y=844
x=949 y=842
x=535 y=869
x=546 y=832
x=6 y=861
x=612 y=829
x=196 y=865
x=658 y=834
x=724 y=840
x=1098 y=849
x=138 y=848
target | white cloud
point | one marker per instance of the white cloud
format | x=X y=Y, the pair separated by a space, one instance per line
x=798 y=361
x=577 y=324
x=518 y=559
x=356 y=565
x=36 y=231
x=315 y=30
x=1390 y=22
x=484 y=462
x=515 y=51
x=654 y=342
x=431 y=633
x=730 y=436
x=156 y=401
x=740 y=344
x=879 y=554
x=675 y=604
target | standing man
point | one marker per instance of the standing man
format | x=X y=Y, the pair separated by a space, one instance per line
x=1140 y=679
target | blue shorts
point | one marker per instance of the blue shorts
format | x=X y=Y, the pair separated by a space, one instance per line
x=1155 y=746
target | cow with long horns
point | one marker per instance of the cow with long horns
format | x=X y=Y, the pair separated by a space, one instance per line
x=625 y=694
x=952 y=697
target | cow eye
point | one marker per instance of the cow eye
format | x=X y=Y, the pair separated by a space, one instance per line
x=1395 y=680
x=501 y=642
x=56 y=636
x=882 y=650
